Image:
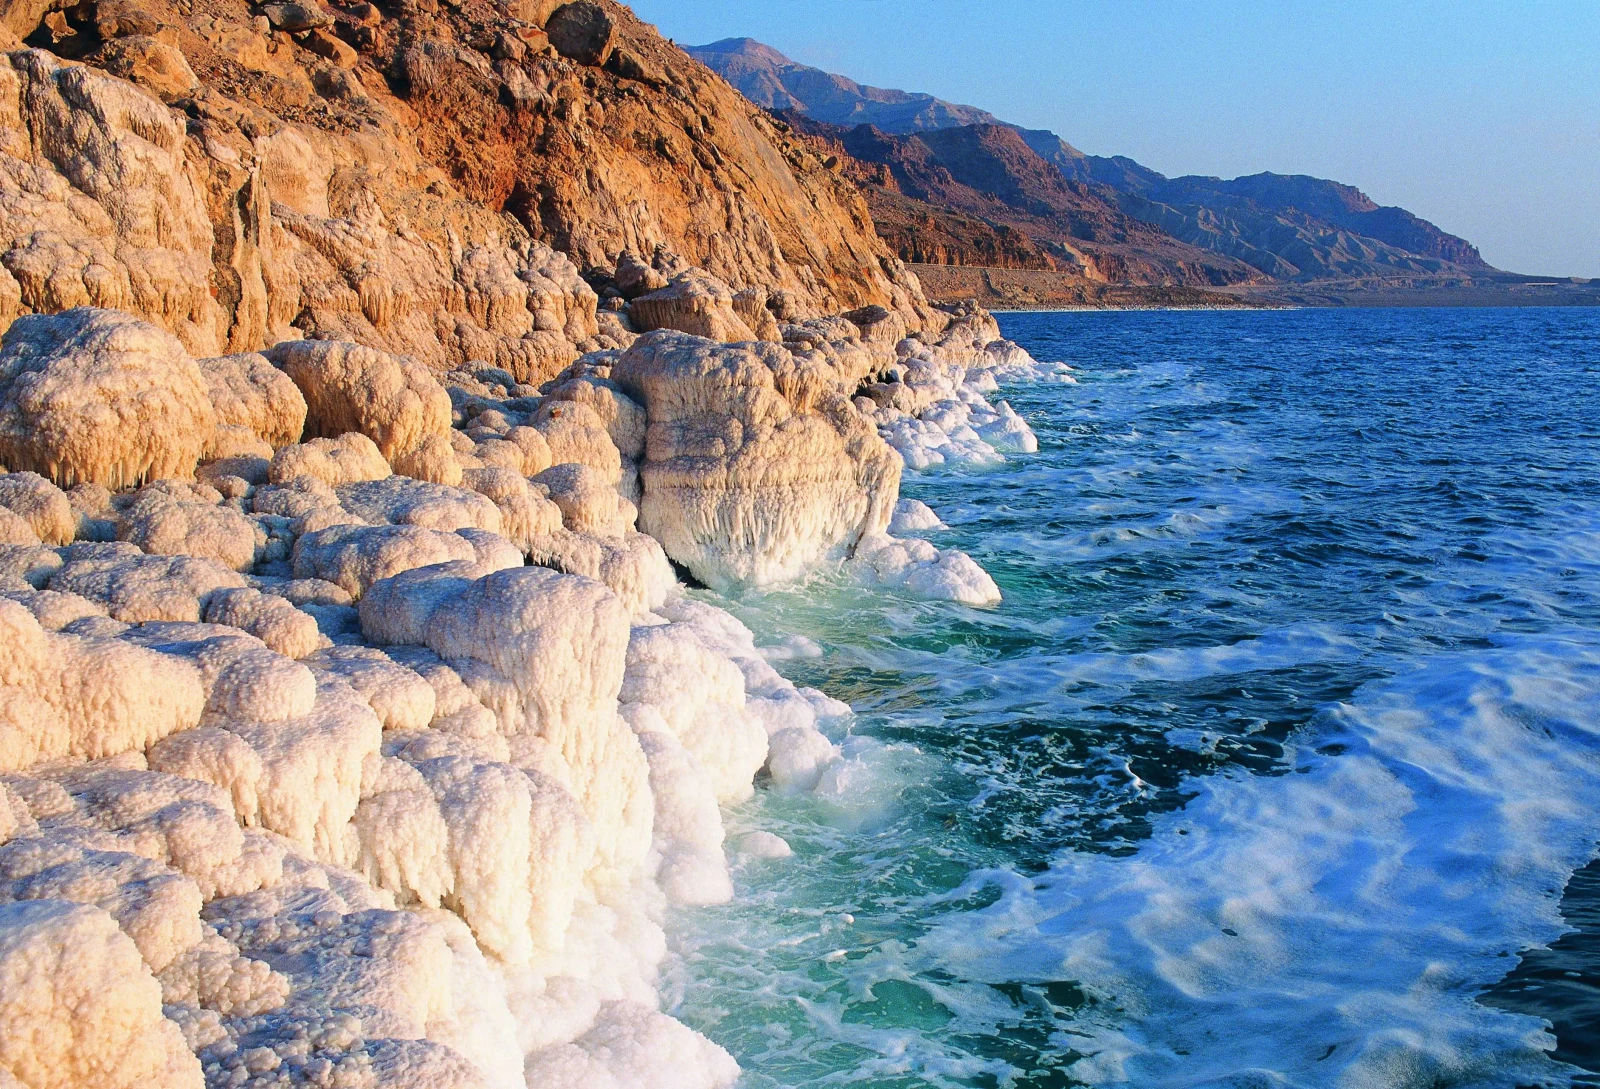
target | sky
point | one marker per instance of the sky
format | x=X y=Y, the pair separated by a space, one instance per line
x=1483 y=117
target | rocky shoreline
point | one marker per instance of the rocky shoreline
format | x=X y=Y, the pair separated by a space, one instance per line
x=357 y=724
x=327 y=772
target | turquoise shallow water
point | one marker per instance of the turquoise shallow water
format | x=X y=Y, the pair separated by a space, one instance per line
x=1279 y=754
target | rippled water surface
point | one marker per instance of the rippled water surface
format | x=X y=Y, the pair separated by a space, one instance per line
x=1278 y=756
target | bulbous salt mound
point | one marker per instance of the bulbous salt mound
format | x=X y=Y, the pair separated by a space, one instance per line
x=100 y=396
x=392 y=400
x=553 y=648
x=347 y=459
x=756 y=465
x=45 y=507
x=249 y=393
x=78 y=1006
x=692 y=302
x=107 y=696
x=169 y=519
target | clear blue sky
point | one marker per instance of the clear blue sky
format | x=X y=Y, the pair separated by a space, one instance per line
x=1481 y=116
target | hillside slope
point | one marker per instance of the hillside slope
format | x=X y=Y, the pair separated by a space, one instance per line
x=978 y=195
x=394 y=176
x=1292 y=228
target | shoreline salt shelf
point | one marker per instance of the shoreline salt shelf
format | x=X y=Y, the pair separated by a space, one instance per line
x=328 y=783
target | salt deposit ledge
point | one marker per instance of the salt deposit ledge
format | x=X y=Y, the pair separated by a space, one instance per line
x=356 y=727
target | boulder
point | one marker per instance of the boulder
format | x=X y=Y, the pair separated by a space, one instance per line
x=634 y=277
x=293 y=18
x=692 y=302
x=581 y=32
x=100 y=396
x=757 y=467
x=394 y=401
x=156 y=66
x=79 y=1007
x=248 y=392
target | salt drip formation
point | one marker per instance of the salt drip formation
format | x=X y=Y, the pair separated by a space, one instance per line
x=356 y=728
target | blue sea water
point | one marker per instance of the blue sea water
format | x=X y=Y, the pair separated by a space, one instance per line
x=1272 y=768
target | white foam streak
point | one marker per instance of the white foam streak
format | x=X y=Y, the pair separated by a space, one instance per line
x=1331 y=927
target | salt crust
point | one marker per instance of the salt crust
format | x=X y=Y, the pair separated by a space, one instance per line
x=307 y=778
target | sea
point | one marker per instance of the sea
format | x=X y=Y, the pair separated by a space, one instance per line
x=1278 y=766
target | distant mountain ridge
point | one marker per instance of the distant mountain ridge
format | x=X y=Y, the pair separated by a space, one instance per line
x=1292 y=228
x=773 y=81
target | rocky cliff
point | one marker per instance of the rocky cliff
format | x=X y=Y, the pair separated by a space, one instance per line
x=430 y=179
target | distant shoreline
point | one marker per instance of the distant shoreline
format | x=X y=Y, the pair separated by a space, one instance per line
x=1005 y=290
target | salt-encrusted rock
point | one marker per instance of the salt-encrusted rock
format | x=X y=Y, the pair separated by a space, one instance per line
x=751 y=305
x=31 y=731
x=698 y=696
x=397 y=609
x=240 y=676
x=44 y=507
x=576 y=434
x=310 y=782
x=208 y=754
x=79 y=1007
x=55 y=610
x=588 y=503
x=355 y=557
x=30 y=565
x=627 y=1037
x=635 y=277
x=392 y=400
x=536 y=455
x=623 y=417
x=113 y=697
x=633 y=567
x=249 y=393
x=400 y=698
x=912 y=516
x=98 y=395
x=15 y=530
x=552 y=647
x=347 y=459
x=400 y=500
x=135 y=587
x=526 y=514
x=688 y=826
x=692 y=302
x=756 y=467
x=271 y=619
x=926 y=571
x=172 y=519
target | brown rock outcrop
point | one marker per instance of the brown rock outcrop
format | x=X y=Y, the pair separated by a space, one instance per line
x=428 y=184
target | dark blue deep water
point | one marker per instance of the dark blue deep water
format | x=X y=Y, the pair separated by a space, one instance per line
x=1274 y=766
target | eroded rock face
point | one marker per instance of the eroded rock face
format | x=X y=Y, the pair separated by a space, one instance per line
x=99 y=396
x=346 y=180
x=101 y=208
x=756 y=465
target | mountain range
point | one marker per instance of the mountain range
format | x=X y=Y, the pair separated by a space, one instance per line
x=954 y=185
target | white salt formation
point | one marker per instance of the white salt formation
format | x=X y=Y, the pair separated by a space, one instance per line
x=355 y=729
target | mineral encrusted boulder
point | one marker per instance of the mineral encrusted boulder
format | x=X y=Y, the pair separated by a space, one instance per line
x=99 y=396
x=756 y=465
